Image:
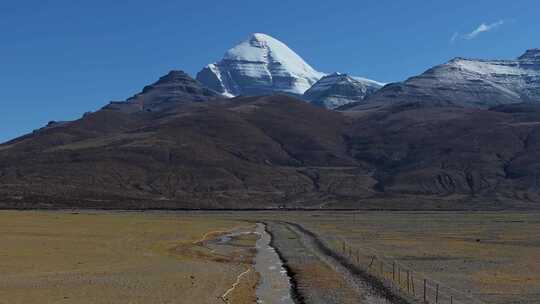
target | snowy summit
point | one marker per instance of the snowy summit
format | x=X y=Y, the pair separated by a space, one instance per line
x=259 y=65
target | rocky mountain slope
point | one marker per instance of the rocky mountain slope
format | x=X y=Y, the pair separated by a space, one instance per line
x=425 y=149
x=428 y=143
x=471 y=82
x=245 y=152
x=336 y=90
x=171 y=89
x=278 y=151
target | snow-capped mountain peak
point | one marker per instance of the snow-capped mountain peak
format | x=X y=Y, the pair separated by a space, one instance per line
x=259 y=65
x=266 y=49
x=531 y=55
x=337 y=89
x=471 y=82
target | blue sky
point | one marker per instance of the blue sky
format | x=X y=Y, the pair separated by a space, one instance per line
x=59 y=59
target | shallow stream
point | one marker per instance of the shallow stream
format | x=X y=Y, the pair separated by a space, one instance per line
x=275 y=284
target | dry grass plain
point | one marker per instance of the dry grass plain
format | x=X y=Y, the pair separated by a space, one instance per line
x=153 y=257
x=99 y=257
x=494 y=257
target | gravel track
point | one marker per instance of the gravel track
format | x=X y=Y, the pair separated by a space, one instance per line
x=321 y=275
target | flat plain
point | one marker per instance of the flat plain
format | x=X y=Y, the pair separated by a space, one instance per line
x=102 y=257
x=478 y=257
x=173 y=257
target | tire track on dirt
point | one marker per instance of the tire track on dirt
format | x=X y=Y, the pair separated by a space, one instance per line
x=308 y=251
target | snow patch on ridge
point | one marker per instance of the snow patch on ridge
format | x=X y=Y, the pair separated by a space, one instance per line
x=338 y=89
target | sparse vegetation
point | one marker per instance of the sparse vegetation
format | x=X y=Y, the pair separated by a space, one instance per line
x=60 y=257
x=491 y=256
x=160 y=257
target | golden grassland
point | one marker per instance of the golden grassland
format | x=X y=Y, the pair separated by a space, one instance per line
x=495 y=256
x=129 y=257
x=101 y=257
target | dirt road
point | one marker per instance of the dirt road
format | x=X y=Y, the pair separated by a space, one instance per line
x=319 y=275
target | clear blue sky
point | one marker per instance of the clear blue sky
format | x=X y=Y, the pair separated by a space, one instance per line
x=59 y=59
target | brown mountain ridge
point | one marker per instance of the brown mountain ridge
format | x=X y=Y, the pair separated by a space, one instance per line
x=204 y=151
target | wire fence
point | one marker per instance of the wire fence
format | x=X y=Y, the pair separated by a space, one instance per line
x=398 y=278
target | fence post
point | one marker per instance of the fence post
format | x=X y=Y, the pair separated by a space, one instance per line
x=394 y=271
x=408 y=282
x=425 y=286
x=451 y=300
x=370 y=264
x=437 y=295
x=412 y=284
x=357 y=257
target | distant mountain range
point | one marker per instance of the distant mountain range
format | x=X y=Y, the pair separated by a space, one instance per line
x=462 y=135
x=471 y=82
x=263 y=65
